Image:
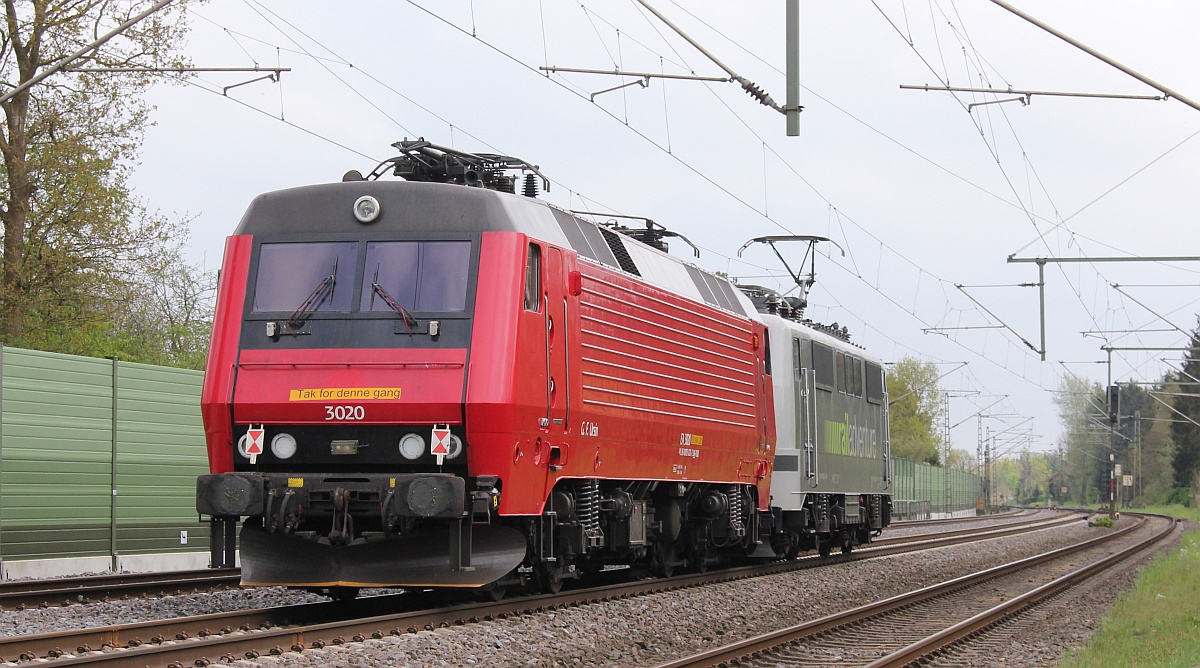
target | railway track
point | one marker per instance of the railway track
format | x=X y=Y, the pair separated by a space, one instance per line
x=1007 y=528
x=20 y=594
x=912 y=627
x=248 y=634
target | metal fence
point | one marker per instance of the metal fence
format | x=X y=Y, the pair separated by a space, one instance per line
x=98 y=458
x=932 y=490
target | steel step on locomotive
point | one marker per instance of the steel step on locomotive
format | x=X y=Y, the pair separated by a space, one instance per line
x=439 y=382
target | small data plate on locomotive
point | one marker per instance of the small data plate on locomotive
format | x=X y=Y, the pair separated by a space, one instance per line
x=343 y=447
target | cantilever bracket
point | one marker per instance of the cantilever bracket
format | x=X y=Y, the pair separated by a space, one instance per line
x=643 y=82
x=273 y=78
x=1041 y=284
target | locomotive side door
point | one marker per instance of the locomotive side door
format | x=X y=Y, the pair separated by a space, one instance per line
x=556 y=339
x=802 y=385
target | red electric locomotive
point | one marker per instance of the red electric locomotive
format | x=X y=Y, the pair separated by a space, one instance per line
x=440 y=382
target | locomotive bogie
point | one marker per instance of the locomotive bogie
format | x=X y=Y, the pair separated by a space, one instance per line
x=656 y=526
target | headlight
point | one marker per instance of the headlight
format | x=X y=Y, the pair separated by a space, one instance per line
x=242 y=444
x=412 y=446
x=366 y=209
x=283 y=445
x=455 y=447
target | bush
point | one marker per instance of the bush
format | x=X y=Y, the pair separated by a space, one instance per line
x=1180 y=496
x=1105 y=522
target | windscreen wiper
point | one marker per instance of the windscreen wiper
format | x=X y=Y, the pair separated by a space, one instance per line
x=318 y=296
x=377 y=289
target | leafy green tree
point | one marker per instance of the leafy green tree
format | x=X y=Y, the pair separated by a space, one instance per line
x=1081 y=408
x=913 y=407
x=1185 y=432
x=73 y=232
x=1142 y=445
x=962 y=460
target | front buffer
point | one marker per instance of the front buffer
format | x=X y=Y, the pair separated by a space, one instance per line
x=300 y=530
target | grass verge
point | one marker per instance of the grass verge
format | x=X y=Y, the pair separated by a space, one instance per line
x=1157 y=623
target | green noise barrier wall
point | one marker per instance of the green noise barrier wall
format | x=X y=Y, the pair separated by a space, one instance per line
x=98 y=457
x=938 y=489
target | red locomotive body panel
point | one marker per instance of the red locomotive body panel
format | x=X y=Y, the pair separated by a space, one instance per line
x=217 y=393
x=673 y=387
x=646 y=385
x=394 y=386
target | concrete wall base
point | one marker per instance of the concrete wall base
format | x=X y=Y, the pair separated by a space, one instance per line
x=969 y=512
x=133 y=563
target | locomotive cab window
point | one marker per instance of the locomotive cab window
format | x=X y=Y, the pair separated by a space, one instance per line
x=291 y=275
x=533 y=279
x=823 y=368
x=419 y=275
x=875 y=383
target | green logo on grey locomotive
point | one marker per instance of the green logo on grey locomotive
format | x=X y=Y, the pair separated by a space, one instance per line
x=848 y=438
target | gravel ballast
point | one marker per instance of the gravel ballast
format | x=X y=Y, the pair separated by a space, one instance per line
x=653 y=629
x=133 y=610
x=645 y=630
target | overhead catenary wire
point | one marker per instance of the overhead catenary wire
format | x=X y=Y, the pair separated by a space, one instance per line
x=1041 y=236
x=1092 y=52
x=768 y=148
x=1028 y=212
x=839 y=215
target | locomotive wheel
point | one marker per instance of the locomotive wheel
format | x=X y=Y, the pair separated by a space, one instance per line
x=493 y=593
x=847 y=548
x=549 y=581
x=825 y=549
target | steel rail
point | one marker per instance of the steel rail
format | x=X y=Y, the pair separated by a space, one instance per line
x=75 y=590
x=129 y=637
x=980 y=533
x=999 y=614
x=250 y=634
x=759 y=645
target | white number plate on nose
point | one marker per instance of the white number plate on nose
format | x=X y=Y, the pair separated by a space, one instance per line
x=344 y=413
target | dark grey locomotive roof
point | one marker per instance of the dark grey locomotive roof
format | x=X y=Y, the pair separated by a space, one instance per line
x=436 y=208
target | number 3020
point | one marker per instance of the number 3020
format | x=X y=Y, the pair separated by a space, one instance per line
x=344 y=412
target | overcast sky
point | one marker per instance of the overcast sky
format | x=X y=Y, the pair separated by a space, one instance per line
x=923 y=191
